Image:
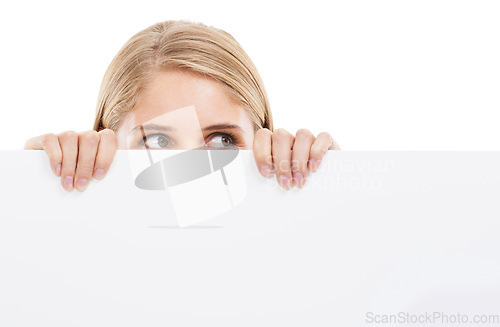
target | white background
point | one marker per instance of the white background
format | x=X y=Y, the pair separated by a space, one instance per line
x=377 y=75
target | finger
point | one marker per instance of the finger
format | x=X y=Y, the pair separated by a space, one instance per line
x=69 y=147
x=49 y=143
x=300 y=155
x=34 y=143
x=322 y=143
x=334 y=146
x=262 y=151
x=281 y=145
x=105 y=153
x=87 y=150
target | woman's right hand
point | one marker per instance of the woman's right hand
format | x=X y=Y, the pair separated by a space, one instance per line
x=77 y=157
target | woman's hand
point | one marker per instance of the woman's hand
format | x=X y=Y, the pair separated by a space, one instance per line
x=290 y=157
x=77 y=157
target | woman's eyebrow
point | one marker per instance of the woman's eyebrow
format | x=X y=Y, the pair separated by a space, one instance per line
x=155 y=127
x=222 y=126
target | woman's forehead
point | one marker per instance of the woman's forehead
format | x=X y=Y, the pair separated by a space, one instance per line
x=174 y=89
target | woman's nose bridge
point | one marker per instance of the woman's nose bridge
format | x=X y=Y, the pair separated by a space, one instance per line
x=187 y=141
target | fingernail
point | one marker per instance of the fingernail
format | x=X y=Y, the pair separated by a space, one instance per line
x=285 y=181
x=265 y=170
x=99 y=173
x=68 y=182
x=58 y=169
x=312 y=163
x=298 y=179
x=81 y=184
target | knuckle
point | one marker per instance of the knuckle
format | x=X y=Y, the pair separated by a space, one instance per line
x=269 y=161
x=69 y=136
x=298 y=165
x=304 y=133
x=263 y=158
x=85 y=167
x=68 y=166
x=90 y=136
x=259 y=155
x=263 y=132
x=326 y=136
x=27 y=145
x=282 y=166
x=107 y=132
x=47 y=139
x=281 y=131
x=109 y=136
x=317 y=149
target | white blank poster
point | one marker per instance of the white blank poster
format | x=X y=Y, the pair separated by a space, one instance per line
x=371 y=236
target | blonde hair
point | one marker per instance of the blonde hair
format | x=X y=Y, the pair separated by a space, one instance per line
x=180 y=44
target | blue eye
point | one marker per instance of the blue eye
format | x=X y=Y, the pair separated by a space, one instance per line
x=158 y=141
x=220 y=142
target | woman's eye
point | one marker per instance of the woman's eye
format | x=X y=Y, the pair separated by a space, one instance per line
x=220 y=142
x=158 y=141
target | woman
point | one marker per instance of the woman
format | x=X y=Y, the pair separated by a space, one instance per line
x=174 y=64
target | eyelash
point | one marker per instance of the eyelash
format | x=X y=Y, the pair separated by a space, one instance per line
x=144 y=139
x=234 y=139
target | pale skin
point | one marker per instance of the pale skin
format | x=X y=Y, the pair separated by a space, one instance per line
x=79 y=157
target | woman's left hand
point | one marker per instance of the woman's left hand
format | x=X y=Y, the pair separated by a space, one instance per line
x=290 y=157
